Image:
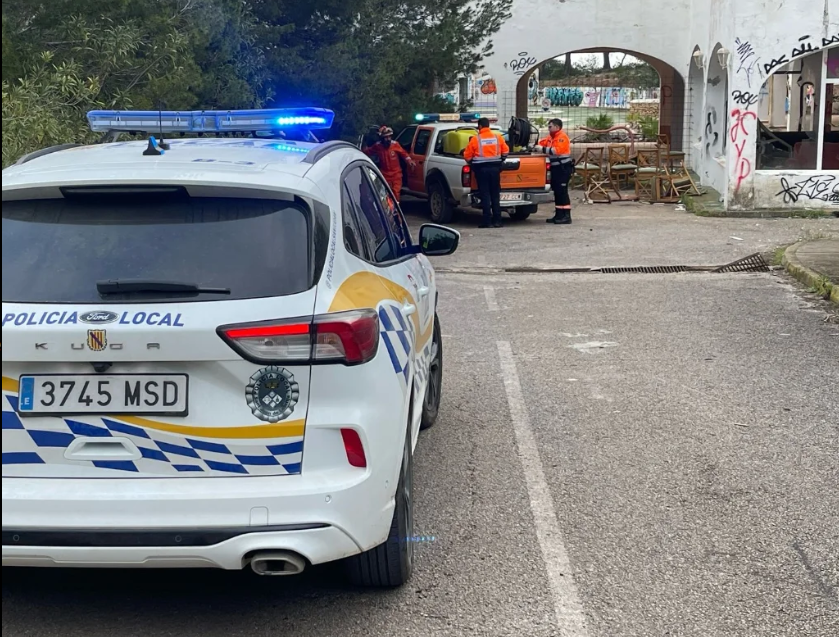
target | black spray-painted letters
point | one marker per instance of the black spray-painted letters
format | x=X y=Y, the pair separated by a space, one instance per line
x=816 y=188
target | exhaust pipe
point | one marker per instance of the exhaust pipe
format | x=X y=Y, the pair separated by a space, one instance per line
x=277 y=563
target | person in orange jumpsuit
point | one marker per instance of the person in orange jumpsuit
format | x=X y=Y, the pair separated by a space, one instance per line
x=386 y=154
x=558 y=147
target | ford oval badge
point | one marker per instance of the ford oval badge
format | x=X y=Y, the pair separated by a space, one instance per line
x=98 y=317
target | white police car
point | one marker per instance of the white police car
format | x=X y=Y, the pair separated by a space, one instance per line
x=216 y=351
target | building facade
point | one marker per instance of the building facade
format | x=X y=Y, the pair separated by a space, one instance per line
x=749 y=88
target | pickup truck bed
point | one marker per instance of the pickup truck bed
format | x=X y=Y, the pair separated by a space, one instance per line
x=447 y=181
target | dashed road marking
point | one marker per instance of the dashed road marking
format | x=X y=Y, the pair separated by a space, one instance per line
x=570 y=617
x=489 y=293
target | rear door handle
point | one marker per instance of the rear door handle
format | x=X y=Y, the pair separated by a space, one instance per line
x=408 y=309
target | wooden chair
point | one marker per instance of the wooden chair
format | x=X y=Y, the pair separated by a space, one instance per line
x=620 y=167
x=650 y=168
x=595 y=178
x=675 y=164
x=673 y=185
x=670 y=157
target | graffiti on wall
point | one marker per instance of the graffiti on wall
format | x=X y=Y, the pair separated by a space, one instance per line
x=744 y=98
x=748 y=62
x=712 y=135
x=487 y=87
x=806 y=45
x=739 y=136
x=816 y=188
x=522 y=63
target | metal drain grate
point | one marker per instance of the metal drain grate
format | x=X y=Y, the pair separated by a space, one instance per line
x=752 y=263
x=644 y=269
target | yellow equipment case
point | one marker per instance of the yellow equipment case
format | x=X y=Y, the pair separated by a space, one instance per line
x=455 y=141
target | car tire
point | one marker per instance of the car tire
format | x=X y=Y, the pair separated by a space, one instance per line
x=439 y=203
x=434 y=386
x=390 y=565
x=521 y=213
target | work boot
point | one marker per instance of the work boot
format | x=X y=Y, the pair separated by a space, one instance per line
x=563 y=218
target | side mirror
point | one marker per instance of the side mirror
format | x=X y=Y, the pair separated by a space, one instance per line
x=438 y=241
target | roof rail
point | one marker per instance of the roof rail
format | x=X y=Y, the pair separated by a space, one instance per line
x=321 y=151
x=44 y=151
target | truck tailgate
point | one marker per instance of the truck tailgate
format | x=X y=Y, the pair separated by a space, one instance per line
x=532 y=173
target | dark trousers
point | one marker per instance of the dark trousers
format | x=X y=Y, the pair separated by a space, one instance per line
x=560 y=176
x=488 y=177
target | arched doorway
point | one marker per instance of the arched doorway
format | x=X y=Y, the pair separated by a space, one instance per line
x=696 y=80
x=609 y=98
x=800 y=126
x=714 y=123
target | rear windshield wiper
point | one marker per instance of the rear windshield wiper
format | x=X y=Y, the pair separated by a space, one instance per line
x=123 y=286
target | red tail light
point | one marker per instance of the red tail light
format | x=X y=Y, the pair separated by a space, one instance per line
x=354 y=448
x=466 y=176
x=547 y=170
x=350 y=338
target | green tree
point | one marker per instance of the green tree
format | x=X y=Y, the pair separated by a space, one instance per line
x=64 y=58
x=373 y=61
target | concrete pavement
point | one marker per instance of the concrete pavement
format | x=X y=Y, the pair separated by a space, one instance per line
x=682 y=462
x=816 y=264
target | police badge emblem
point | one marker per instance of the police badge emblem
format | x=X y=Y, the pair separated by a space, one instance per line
x=272 y=394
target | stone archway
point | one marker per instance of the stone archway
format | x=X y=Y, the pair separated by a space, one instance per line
x=672 y=120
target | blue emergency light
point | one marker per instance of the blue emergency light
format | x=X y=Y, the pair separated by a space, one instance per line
x=447 y=117
x=275 y=119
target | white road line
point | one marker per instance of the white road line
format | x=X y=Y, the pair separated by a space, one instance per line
x=489 y=293
x=570 y=617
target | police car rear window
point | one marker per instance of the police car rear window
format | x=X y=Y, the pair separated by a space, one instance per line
x=55 y=250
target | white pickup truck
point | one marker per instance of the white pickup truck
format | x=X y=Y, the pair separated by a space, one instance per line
x=441 y=175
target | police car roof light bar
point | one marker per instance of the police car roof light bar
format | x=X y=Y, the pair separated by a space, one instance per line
x=248 y=121
x=447 y=117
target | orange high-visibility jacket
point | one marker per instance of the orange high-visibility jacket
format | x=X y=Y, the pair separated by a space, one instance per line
x=557 y=145
x=486 y=147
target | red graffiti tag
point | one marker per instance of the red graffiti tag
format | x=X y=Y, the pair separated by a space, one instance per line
x=739 y=135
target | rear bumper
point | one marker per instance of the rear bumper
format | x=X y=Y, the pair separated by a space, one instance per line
x=529 y=198
x=179 y=523
x=316 y=545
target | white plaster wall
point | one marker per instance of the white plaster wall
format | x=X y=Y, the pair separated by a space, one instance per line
x=652 y=27
x=755 y=32
x=811 y=190
x=775 y=31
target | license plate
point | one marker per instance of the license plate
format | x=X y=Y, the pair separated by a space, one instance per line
x=510 y=196
x=78 y=394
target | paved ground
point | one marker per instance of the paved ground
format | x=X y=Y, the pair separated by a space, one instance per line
x=674 y=437
x=821 y=256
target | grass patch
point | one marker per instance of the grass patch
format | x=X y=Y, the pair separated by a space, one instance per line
x=811 y=213
x=778 y=255
x=823 y=287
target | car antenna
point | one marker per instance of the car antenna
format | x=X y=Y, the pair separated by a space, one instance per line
x=163 y=145
x=153 y=148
